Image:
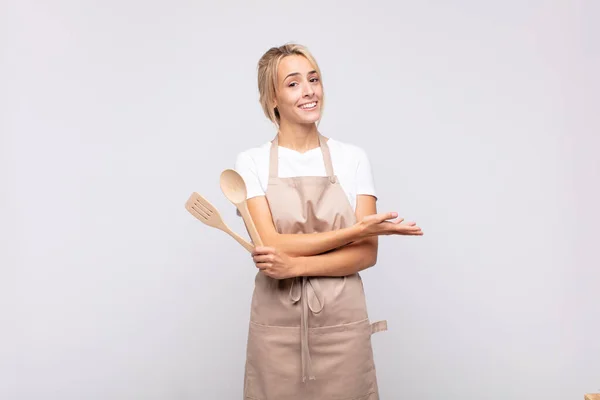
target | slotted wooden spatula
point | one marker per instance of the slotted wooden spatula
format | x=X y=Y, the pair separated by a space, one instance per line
x=201 y=208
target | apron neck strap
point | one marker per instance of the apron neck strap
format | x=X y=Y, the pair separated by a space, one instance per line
x=274 y=157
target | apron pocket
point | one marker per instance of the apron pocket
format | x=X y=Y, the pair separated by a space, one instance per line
x=273 y=369
x=342 y=358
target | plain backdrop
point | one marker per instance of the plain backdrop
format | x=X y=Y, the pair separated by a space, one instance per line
x=481 y=122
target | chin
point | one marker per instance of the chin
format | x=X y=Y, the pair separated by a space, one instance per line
x=305 y=119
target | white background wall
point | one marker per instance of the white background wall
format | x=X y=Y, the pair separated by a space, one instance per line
x=481 y=121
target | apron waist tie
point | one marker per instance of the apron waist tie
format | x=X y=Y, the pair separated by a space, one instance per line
x=311 y=298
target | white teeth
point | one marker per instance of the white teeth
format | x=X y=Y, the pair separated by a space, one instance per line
x=309 y=105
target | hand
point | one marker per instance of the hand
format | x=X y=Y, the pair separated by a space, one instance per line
x=378 y=224
x=274 y=263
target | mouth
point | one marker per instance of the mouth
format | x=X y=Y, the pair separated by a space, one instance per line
x=308 y=106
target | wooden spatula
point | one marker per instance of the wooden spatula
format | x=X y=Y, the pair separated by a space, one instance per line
x=201 y=208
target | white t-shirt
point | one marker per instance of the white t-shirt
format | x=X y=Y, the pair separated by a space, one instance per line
x=350 y=164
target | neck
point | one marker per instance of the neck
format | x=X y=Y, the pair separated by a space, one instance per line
x=300 y=137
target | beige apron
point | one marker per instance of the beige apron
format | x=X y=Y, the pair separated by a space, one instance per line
x=309 y=337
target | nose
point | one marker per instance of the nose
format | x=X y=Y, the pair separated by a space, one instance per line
x=308 y=90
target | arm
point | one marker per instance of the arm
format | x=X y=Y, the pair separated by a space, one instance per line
x=349 y=259
x=343 y=261
x=297 y=245
x=304 y=245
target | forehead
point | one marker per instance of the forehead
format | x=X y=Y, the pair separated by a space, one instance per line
x=292 y=64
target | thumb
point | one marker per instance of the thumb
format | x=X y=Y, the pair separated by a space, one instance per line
x=382 y=217
x=389 y=215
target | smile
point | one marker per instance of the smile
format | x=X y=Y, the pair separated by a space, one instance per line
x=309 y=106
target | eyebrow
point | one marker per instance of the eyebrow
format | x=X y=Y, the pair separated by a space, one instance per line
x=298 y=73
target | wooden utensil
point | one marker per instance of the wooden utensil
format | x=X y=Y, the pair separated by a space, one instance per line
x=234 y=188
x=201 y=208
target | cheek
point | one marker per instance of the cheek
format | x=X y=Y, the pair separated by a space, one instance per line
x=288 y=103
x=319 y=90
x=286 y=108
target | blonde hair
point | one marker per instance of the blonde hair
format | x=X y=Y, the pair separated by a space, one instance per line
x=267 y=75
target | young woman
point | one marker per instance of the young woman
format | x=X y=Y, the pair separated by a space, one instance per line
x=313 y=202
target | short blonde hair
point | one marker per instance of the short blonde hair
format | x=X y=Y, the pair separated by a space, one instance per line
x=267 y=75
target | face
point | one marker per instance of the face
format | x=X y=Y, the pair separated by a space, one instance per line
x=299 y=91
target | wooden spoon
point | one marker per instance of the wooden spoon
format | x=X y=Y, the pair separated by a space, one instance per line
x=201 y=208
x=234 y=188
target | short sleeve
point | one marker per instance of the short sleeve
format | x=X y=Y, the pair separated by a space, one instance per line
x=365 y=182
x=246 y=167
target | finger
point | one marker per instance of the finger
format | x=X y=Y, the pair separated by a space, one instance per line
x=263 y=265
x=389 y=215
x=408 y=230
x=410 y=223
x=391 y=225
x=385 y=216
x=271 y=274
x=259 y=250
x=264 y=258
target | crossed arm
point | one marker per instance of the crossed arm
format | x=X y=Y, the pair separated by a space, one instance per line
x=334 y=253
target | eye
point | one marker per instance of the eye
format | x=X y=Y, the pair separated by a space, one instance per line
x=293 y=84
x=315 y=79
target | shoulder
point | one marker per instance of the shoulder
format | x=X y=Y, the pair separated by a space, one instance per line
x=253 y=166
x=253 y=155
x=354 y=160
